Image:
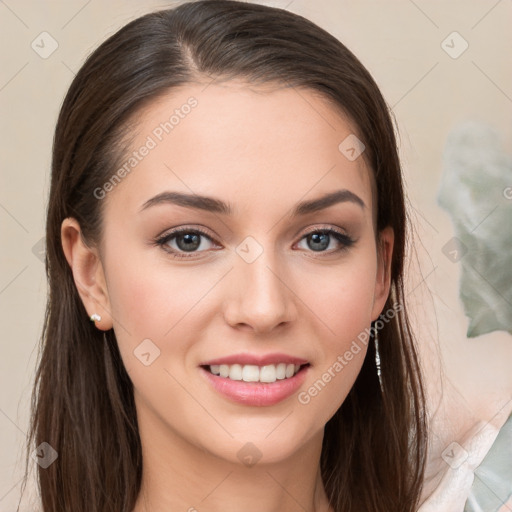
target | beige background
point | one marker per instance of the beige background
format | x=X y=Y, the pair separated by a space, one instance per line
x=400 y=43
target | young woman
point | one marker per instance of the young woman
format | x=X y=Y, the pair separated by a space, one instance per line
x=226 y=326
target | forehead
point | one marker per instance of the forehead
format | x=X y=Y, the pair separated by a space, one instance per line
x=251 y=144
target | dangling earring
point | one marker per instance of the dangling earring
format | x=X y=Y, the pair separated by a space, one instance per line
x=95 y=317
x=377 y=355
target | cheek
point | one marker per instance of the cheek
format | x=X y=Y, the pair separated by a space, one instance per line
x=137 y=297
x=148 y=297
x=343 y=299
x=153 y=302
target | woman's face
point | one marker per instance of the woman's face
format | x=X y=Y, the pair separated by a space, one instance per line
x=251 y=288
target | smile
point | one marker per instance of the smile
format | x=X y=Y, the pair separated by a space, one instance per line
x=253 y=385
x=253 y=373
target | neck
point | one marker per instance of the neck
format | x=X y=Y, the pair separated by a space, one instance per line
x=180 y=476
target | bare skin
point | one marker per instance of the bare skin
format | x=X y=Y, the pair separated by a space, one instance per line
x=263 y=151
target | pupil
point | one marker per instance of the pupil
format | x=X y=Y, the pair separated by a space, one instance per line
x=320 y=238
x=191 y=242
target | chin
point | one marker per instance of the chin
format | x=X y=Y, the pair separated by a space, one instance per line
x=263 y=446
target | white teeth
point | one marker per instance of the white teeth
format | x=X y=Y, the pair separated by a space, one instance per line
x=281 y=371
x=235 y=372
x=268 y=373
x=252 y=373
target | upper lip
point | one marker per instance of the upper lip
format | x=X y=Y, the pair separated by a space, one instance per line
x=258 y=360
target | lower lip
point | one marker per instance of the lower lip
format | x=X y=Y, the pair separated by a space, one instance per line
x=256 y=393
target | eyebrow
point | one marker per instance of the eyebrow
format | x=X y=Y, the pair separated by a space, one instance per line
x=213 y=205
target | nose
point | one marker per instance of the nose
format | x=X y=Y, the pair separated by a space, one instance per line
x=260 y=298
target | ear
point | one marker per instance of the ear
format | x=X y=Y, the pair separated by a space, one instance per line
x=87 y=272
x=383 y=276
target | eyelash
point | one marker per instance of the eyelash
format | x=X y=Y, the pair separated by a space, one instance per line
x=345 y=240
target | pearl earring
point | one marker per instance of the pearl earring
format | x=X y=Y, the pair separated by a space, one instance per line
x=95 y=317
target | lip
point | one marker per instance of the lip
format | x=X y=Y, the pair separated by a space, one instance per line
x=258 y=360
x=256 y=393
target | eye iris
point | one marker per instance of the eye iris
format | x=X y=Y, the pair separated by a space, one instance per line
x=191 y=241
x=322 y=239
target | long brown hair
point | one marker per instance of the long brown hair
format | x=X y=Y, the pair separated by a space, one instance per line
x=374 y=447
